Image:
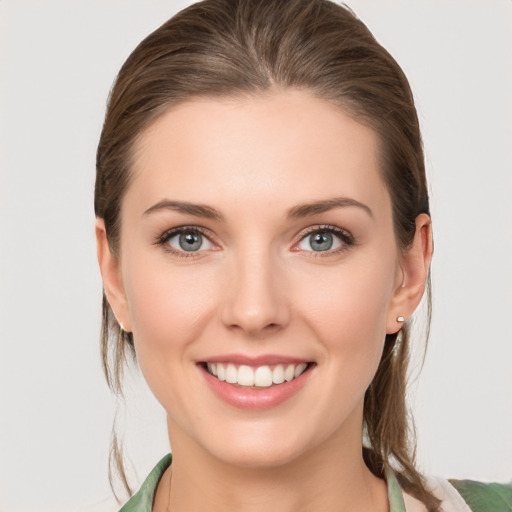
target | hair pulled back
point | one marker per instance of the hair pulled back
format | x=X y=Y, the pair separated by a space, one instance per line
x=221 y=48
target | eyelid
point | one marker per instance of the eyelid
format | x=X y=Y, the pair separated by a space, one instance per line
x=164 y=238
x=342 y=234
x=168 y=233
x=346 y=238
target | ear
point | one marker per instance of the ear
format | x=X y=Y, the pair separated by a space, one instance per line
x=412 y=275
x=110 y=268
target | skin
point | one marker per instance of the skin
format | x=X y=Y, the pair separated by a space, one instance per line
x=257 y=287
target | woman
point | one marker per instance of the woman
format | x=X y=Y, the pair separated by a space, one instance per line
x=264 y=238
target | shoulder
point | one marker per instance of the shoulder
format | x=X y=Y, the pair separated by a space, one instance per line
x=471 y=496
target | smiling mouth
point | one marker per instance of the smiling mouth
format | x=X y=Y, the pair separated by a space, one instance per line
x=257 y=376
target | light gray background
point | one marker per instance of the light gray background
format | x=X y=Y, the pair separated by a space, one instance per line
x=58 y=60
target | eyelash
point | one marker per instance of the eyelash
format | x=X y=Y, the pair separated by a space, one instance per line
x=164 y=238
x=344 y=236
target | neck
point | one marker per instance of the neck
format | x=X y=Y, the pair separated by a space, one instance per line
x=332 y=478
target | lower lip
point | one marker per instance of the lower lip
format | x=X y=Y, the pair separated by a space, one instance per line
x=254 y=397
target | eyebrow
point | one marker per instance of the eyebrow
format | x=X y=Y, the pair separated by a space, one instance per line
x=306 y=210
x=297 y=212
x=198 y=210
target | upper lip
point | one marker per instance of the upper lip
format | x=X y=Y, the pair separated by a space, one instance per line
x=262 y=360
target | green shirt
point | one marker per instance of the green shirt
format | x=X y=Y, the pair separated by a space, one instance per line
x=480 y=497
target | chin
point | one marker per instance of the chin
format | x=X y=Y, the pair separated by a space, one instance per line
x=257 y=458
x=261 y=449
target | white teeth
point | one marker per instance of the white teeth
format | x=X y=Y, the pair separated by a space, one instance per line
x=261 y=376
x=245 y=376
x=231 y=374
x=299 y=369
x=221 y=372
x=278 y=374
x=289 y=373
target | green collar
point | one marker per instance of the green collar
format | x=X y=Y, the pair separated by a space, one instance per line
x=395 y=496
x=143 y=500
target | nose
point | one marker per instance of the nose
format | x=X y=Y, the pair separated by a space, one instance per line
x=255 y=295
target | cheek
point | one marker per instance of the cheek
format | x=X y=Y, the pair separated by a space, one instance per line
x=168 y=310
x=348 y=306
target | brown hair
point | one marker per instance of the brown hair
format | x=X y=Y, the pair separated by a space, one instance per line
x=242 y=47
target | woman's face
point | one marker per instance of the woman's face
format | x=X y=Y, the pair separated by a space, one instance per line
x=257 y=244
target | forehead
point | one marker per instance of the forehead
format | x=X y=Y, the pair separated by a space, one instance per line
x=286 y=146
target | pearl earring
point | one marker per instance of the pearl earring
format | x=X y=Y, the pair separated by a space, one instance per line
x=400 y=319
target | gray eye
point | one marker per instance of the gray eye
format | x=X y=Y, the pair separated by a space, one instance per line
x=189 y=241
x=320 y=241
